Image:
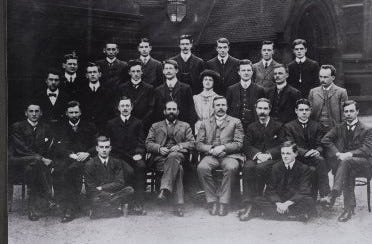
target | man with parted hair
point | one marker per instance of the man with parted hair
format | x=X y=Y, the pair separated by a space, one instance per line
x=219 y=140
x=263 y=71
x=349 y=153
x=114 y=71
x=242 y=96
x=303 y=71
x=105 y=182
x=152 y=69
x=326 y=100
x=288 y=196
x=190 y=66
x=71 y=81
x=169 y=141
x=225 y=65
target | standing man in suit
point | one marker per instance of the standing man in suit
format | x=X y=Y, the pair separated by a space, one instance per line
x=105 y=182
x=114 y=71
x=219 y=140
x=78 y=136
x=71 y=82
x=288 y=196
x=283 y=96
x=303 y=71
x=307 y=133
x=31 y=142
x=262 y=149
x=241 y=97
x=96 y=101
x=190 y=66
x=140 y=93
x=128 y=144
x=170 y=141
x=264 y=69
x=53 y=100
x=326 y=100
x=174 y=90
x=349 y=148
x=152 y=69
x=225 y=64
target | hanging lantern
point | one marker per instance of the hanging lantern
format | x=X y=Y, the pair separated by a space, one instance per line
x=176 y=10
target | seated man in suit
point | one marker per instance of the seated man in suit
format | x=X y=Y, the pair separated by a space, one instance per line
x=288 y=196
x=326 y=100
x=225 y=64
x=140 y=93
x=169 y=141
x=264 y=69
x=307 y=133
x=128 y=144
x=262 y=149
x=52 y=99
x=241 y=97
x=71 y=82
x=105 y=182
x=349 y=148
x=190 y=66
x=219 y=140
x=31 y=142
x=174 y=90
x=78 y=137
x=283 y=96
x=303 y=71
x=114 y=71
x=152 y=69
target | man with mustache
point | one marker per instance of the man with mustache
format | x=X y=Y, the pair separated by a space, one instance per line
x=219 y=141
x=283 y=96
x=262 y=149
x=169 y=141
x=326 y=100
x=190 y=66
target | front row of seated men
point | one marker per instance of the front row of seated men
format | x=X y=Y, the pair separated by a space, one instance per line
x=293 y=171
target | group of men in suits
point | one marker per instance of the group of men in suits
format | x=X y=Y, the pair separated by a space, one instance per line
x=99 y=129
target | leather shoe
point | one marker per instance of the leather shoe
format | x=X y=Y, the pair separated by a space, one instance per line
x=33 y=216
x=328 y=201
x=223 y=210
x=346 y=215
x=178 y=211
x=247 y=215
x=213 y=208
x=67 y=217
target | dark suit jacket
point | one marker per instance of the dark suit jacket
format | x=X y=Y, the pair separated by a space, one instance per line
x=81 y=140
x=309 y=76
x=234 y=101
x=336 y=141
x=73 y=89
x=228 y=77
x=153 y=72
x=263 y=139
x=182 y=95
x=126 y=139
x=97 y=107
x=264 y=77
x=56 y=112
x=143 y=101
x=113 y=76
x=287 y=103
x=298 y=187
x=111 y=179
x=306 y=139
x=196 y=67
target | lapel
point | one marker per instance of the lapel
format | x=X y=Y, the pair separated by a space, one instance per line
x=228 y=65
x=163 y=127
x=212 y=128
x=284 y=96
x=192 y=61
x=141 y=90
x=237 y=92
x=301 y=131
x=319 y=92
x=358 y=129
x=225 y=122
x=176 y=88
x=293 y=173
x=267 y=71
x=332 y=91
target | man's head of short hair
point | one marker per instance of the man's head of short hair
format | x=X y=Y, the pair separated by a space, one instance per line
x=244 y=62
x=298 y=42
x=171 y=62
x=102 y=139
x=134 y=62
x=350 y=102
x=145 y=39
x=187 y=37
x=53 y=71
x=223 y=40
x=303 y=101
x=330 y=67
x=281 y=66
x=263 y=99
x=70 y=56
x=91 y=64
x=123 y=98
x=216 y=98
x=291 y=144
x=72 y=104
x=266 y=42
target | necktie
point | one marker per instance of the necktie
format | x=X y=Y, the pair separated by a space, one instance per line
x=304 y=125
x=52 y=94
x=266 y=65
x=300 y=78
x=74 y=127
x=71 y=79
x=34 y=127
x=105 y=163
x=94 y=89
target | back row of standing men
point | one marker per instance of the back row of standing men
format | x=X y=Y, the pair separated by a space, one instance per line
x=244 y=84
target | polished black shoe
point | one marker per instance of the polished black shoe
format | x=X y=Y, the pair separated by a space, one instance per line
x=213 y=208
x=328 y=201
x=222 y=211
x=33 y=215
x=247 y=214
x=178 y=211
x=68 y=216
x=346 y=215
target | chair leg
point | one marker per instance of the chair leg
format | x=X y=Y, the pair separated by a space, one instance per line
x=369 y=195
x=23 y=196
x=10 y=196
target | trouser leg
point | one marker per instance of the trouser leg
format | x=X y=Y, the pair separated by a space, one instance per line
x=263 y=171
x=172 y=166
x=205 y=167
x=230 y=168
x=139 y=168
x=249 y=181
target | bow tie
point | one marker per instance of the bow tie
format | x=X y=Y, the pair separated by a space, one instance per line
x=52 y=94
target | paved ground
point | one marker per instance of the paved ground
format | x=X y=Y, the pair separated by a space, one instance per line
x=160 y=226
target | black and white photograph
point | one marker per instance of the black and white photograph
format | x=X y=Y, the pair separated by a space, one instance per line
x=187 y=121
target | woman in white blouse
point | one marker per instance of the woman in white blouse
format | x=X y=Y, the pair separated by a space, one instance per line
x=204 y=100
